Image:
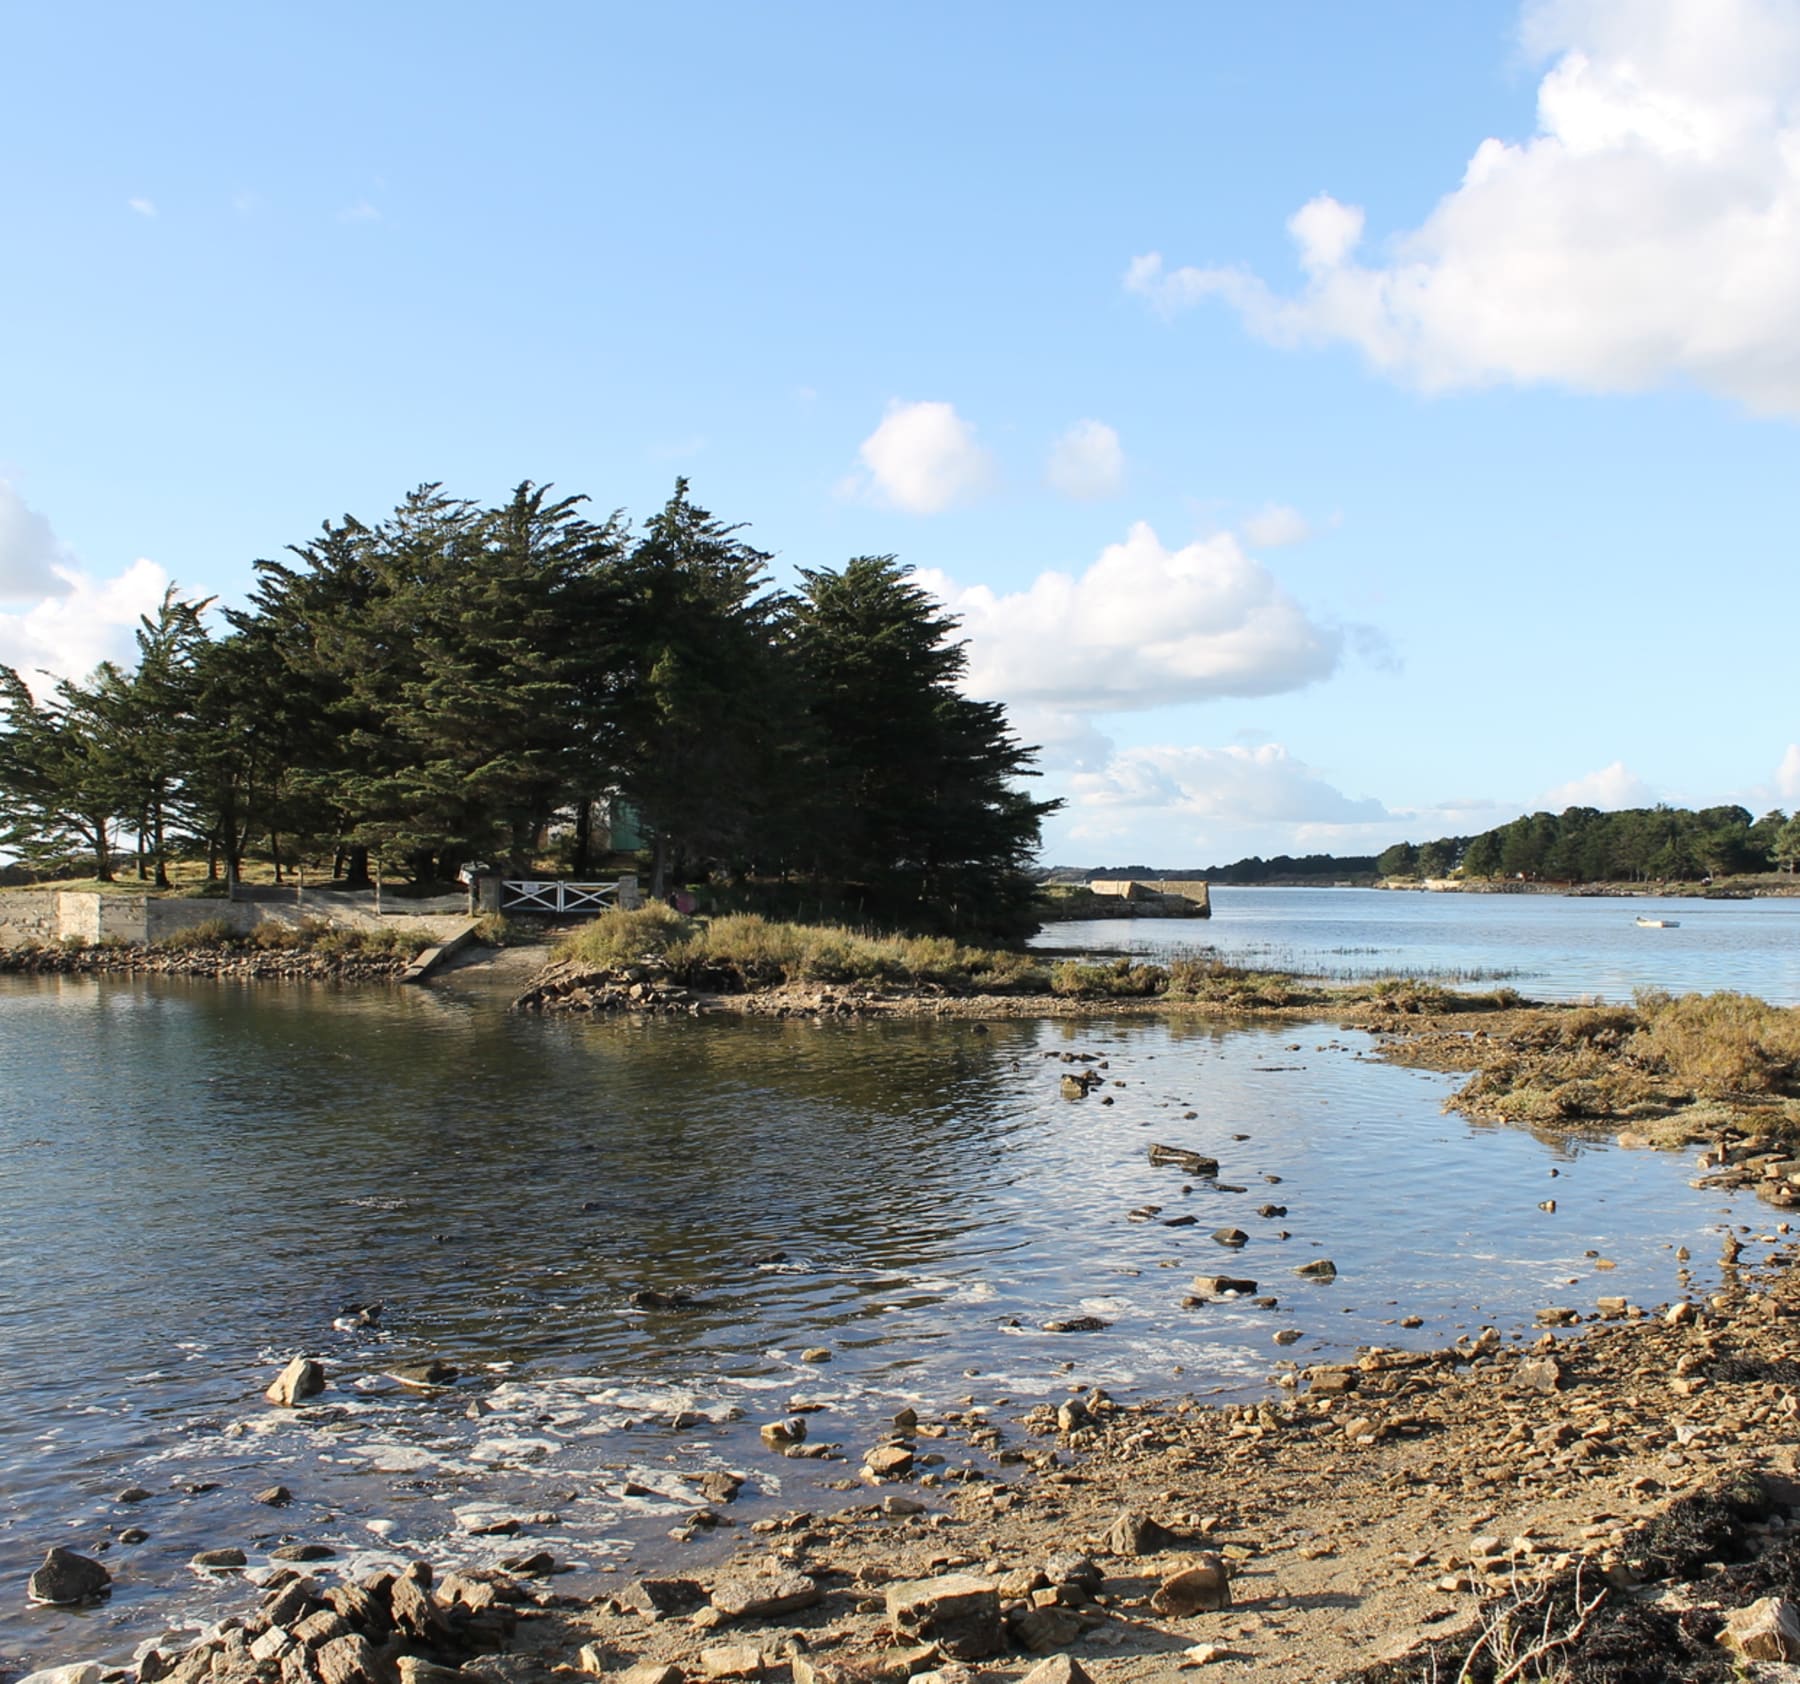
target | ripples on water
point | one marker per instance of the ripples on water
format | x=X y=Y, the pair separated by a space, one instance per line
x=195 y=1179
x=1549 y=947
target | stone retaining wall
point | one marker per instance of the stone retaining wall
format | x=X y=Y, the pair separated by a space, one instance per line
x=52 y=915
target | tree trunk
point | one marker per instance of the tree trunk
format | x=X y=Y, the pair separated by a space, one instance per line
x=659 y=870
x=584 y=836
x=160 y=846
x=102 y=853
x=356 y=869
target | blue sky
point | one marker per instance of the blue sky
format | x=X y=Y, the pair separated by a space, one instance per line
x=1333 y=424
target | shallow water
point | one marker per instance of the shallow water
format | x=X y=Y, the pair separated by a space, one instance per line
x=195 y=1179
x=1549 y=947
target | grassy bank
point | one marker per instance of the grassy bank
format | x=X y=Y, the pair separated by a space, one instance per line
x=1711 y=1060
x=744 y=952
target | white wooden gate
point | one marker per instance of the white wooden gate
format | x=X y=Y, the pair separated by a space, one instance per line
x=523 y=894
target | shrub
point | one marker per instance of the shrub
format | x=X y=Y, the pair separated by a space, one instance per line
x=1120 y=980
x=618 y=937
x=495 y=929
x=1718 y=1044
x=209 y=932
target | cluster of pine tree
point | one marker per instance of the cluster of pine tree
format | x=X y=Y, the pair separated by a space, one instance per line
x=444 y=685
x=1585 y=845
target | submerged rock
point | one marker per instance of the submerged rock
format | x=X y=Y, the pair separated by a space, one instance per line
x=67 y=1578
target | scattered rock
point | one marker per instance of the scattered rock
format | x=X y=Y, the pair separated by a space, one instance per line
x=219 y=1561
x=1193 y=1163
x=889 y=1461
x=718 y=1487
x=67 y=1578
x=1767 y=1630
x=1319 y=1269
x=1231 y=1236
x=1538 y=1374
x=302 y=1378
x=659 y=1598
x=80 y=1672
x=733 y=1660
x=302 y=1552
x=765 y=1597
x=275 y=1497
x=815 y=1353
x=434 y=1371
x=1136 y=1534
x=649 y=1672
x=958 y=1612
x=1075 y=1324
x=1059 y=1669
x=778 y=1435
x=1200 y=1589
x=1223 y=1286
x=1039 y=1630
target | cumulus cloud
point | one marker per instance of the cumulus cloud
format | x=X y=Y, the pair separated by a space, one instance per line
x=1087 y=463
x=1787 y=774
x=1144 y=626
x=1275 y=525
x=1611 y=788
x=90 y=621
x=923 y=458
x=1648 y=232
x=144 y=207
x=1243 y=784
x=31 y=555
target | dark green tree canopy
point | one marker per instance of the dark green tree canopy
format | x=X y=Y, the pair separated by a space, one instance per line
x=450 y=682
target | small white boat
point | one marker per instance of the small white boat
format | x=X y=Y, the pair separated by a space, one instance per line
x=1659 y=923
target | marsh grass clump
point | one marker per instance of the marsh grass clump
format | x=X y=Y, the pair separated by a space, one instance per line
x=1719 y=1044
x=1702 y=1056
x=1123 y=979
x=1215 y=982
x=744 y=950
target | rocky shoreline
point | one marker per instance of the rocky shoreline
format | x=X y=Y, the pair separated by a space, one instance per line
x=1617 y=1485
x=225 y=964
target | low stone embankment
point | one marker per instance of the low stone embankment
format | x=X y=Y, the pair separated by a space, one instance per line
x=227 y=964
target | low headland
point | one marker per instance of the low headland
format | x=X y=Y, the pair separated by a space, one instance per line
x=1606 y=1496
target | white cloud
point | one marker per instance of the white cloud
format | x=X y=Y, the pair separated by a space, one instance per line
x=361 y=211
x=1611 y=788
x=923 y=458
x=93 y=620
x=1648 y=232
x=1787 y=774
x=31 y=555
x=1275 y=525
x=1143 y=627
x=1244 y=785
x=144 y=207
x=1086 y=462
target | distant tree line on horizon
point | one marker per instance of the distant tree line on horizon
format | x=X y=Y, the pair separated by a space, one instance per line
x=1281 y=868
x=1586 y=845
x=446 y=684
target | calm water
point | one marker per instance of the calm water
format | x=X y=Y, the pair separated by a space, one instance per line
x=195 y=1179
x=1550 y=947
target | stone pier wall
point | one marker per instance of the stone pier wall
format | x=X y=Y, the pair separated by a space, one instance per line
x=53 y=915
